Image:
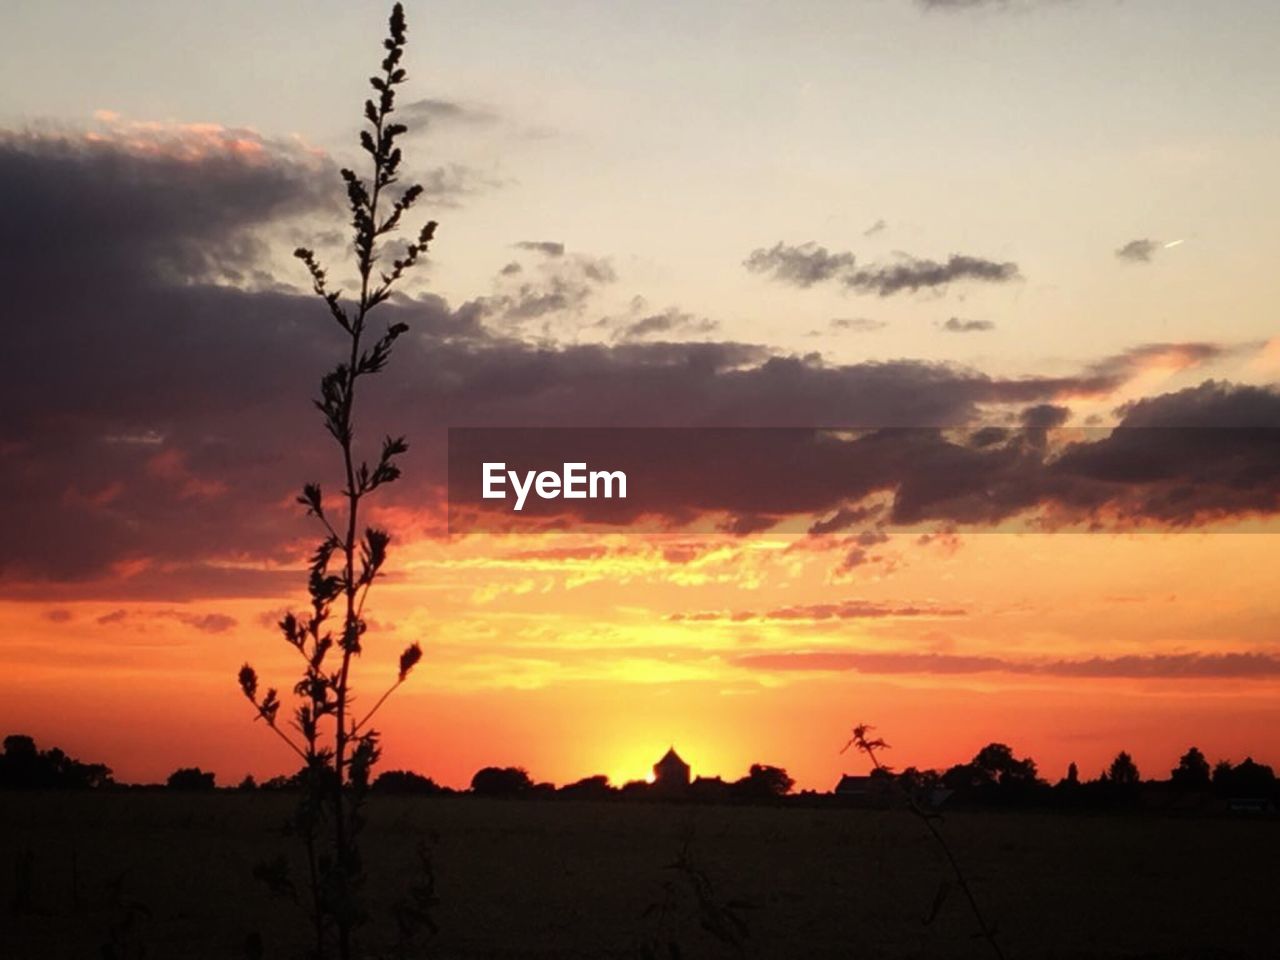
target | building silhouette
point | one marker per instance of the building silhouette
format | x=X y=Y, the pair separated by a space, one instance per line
x=671 y=774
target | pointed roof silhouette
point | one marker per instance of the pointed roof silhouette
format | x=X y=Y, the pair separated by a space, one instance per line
x=671 y=755
x=671 y=766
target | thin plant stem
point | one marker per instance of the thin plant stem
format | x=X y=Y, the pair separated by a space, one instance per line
x=861 y=740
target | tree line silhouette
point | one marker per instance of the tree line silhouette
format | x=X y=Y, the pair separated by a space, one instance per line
x=995 y=777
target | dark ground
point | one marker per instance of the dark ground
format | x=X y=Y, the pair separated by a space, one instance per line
x=563 y=879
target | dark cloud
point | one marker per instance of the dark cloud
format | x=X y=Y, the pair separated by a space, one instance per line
x=956 y=325
x=1044 y=416
x=208 y=622
x=1212 y=405
x=1138 y=251
x=809 y=264
x=157 y=416
x=912 y=274
x=843 y=519
x=204 y=622
x=1202 y=454
x=1187 y=666
x=800 y=266
x=1038 y=420
x=561 y=284
x=857 y=557
x=182 y=207
x=669 y=323
x=878 y=227
x=550 y=248
x=1159 y=468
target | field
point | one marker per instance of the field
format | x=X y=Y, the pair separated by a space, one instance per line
x=562 y=879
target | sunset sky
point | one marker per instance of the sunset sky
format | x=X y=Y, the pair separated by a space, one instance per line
x=1053 y=217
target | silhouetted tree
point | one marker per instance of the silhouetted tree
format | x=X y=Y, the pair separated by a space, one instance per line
x=994 y=774
x=248 y=784
x=500 y=782
x=1221 y=773
x=286 y=782
x=338 y=748
x=20 y=748
x=589 y=788
x=190 y=778
x=1069 y=789
x=1123 y=772
x=1192 y=771
x=24 y=767
x=405 y=781
x=763 y=782
x=1247 y=779
x=919 y=783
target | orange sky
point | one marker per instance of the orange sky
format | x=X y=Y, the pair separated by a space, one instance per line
x=571 y=666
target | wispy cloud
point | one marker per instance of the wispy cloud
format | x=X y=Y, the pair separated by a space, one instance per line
x=807 y=264
x=550 y=248
x=1138 y=251
x=800 y=266
x=818 y=612
x=956 y=325
x=1181 y=666
x=430 y=112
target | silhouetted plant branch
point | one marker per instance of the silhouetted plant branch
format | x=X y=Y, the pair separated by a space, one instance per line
x=862 y=740
x=339 y=753
x=723 y=920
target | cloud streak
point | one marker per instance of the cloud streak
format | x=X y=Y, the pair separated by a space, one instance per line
x=809 y=264
x=956 y=325
x=822 y=612
x=1181 y=666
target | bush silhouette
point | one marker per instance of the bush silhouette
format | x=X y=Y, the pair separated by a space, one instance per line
x=500 y=782
x=763 y=782
x=406 y=782
x=190 y=778
x=1247 y=779
x=589 y=788
x=24 y=767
